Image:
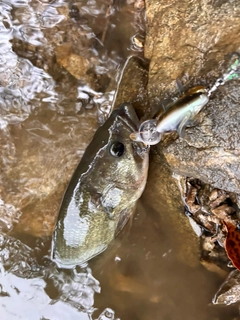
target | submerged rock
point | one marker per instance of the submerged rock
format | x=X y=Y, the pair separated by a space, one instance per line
x=229 y=291
x=75 y=64
x=164 y=199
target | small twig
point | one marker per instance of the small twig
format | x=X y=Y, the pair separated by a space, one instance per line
x=107 y=15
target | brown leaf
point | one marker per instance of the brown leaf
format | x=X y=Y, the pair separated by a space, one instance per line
x=232 y=244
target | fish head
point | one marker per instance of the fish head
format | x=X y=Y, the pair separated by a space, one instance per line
x=103 y=191
x=125 y=159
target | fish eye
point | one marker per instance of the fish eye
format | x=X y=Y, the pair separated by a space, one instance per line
x=117 y=149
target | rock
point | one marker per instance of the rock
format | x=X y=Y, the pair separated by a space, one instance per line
x=212 y=267
x=190 y=41
x=131 y=88
x=75 y=64
x=229 y=291
x=133 y=85
x=187 y=38
x=46 y=155
x=211 y=149
x=164 y=199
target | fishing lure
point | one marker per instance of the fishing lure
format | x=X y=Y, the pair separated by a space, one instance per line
x=183 y=110
x=178 y=115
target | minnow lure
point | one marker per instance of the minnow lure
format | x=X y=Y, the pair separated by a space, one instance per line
x=183 y=110
x=175 y=118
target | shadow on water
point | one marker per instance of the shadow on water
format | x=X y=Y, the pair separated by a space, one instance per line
x=47 y=118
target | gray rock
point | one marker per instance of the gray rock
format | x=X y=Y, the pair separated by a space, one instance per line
x=211 y=149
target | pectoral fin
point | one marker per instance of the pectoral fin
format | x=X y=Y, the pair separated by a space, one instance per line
x=125 y=215
x=180 y=129
x=192 y=123
x=179 y=86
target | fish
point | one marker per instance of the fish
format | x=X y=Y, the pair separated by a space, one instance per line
x=102 y=192
x=178 y=115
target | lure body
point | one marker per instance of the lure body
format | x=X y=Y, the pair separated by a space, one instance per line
x=179 y=114
x=182 y=111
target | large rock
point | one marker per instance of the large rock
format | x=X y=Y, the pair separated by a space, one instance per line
x=190 y=41
x=133 y=85
x=45 y=157
x=188 y=38
x=210 y=151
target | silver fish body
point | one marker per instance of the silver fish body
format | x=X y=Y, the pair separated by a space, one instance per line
x=183 y=110
x=103 y=191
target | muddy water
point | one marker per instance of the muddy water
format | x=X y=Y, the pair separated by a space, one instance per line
x=47 y=118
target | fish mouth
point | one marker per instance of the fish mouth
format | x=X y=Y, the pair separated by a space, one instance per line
x=126 y=114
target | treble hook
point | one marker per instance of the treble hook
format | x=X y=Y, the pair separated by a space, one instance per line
x=230 y=55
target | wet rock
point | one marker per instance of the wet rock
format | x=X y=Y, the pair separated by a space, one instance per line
x=133 y=85
x=187 y=39
x=211 y=150
x=132 y=88
x=229 y=292
x=45 y=157
x=164 y=199
x=190 y=41
x=75 y=64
